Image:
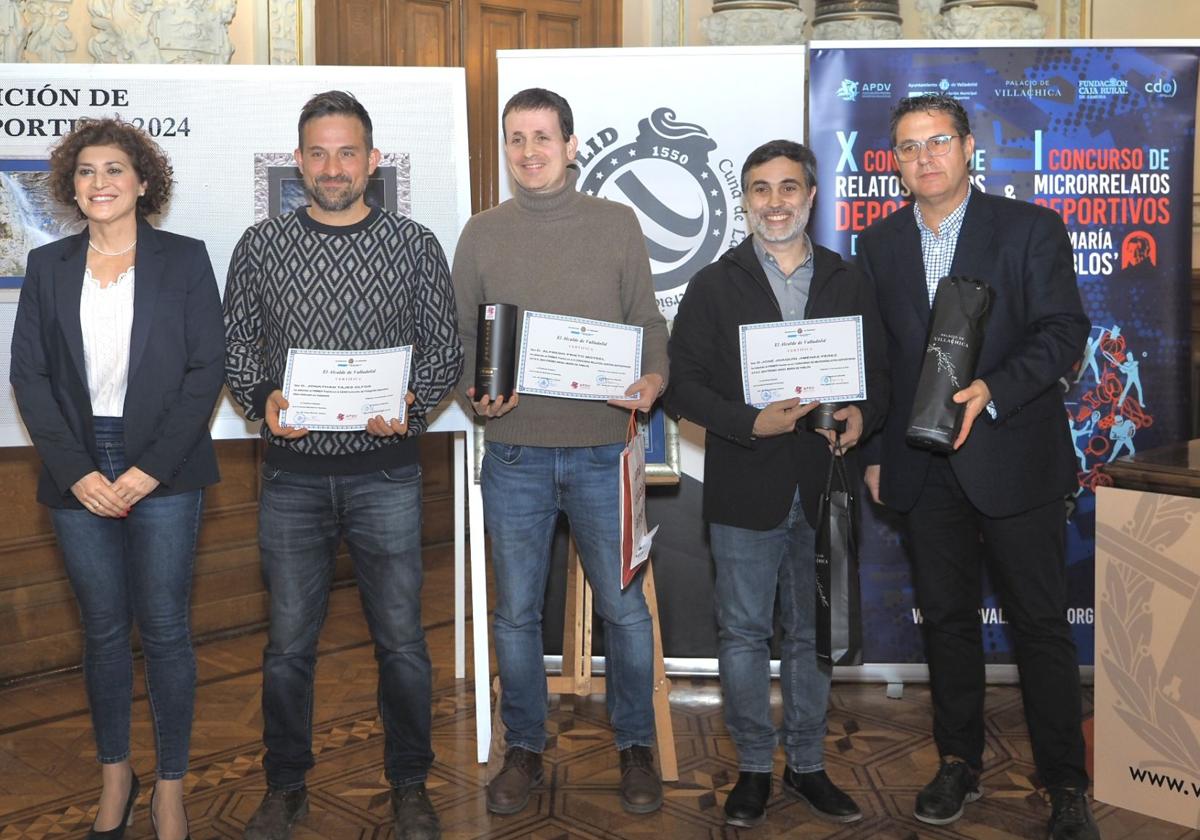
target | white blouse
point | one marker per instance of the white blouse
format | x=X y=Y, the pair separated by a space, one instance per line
x=106 y=316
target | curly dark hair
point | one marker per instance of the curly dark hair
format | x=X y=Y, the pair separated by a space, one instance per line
x=149 y=161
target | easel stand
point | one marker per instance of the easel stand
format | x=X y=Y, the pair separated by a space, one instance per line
x=577 y=676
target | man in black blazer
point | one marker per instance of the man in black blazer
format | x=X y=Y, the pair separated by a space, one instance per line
x=1006 y=482
x=764 y=473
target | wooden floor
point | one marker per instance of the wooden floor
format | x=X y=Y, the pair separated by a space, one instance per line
x=880 y=750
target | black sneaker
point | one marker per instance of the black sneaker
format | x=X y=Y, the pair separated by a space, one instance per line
x=941 y=801
x=823 y=797
x=276 y=814
x=413 y=817
x=1071 y=816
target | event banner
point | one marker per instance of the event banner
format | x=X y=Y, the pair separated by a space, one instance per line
x=230 y=133
x=1102 y=134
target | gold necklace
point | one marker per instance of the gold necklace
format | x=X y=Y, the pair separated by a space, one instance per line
x=125 y=250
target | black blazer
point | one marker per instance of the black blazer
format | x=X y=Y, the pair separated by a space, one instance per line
x=176 y=364
x=749 y=482
x=1036 y=332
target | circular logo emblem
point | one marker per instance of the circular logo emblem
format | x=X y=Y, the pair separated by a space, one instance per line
x=680 y=200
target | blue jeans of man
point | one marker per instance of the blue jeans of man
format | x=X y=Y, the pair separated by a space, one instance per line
x=524 y=489
x=751 y=567
x=302 y=518
x=135 y=568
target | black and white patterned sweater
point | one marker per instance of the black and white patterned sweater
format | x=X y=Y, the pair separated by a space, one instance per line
x=382 y=282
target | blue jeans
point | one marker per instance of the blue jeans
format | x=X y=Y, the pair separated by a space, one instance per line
x=751 y=566
x=524 y=488
x=301 y=520
x=139 y=567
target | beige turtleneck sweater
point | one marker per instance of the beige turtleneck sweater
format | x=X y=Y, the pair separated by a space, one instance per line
x=569 y=254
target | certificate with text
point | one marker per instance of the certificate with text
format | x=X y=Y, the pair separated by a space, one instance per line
x=577 y=358
x=340 y=390
x=818 y=359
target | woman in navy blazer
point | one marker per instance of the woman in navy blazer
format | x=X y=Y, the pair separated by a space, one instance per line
x=117 y=360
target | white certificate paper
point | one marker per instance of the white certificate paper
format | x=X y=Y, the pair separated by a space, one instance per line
x=577 y=358
x=340 y=390
x=818 y=359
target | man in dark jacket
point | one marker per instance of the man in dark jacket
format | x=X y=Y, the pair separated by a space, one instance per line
x=764 y=473
x=1005 y=485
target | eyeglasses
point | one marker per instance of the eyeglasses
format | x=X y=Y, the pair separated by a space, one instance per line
x=938 y=145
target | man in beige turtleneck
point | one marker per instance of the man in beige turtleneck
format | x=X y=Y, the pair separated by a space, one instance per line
x=551 y=249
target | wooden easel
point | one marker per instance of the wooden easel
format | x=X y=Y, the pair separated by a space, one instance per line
x=577 y=676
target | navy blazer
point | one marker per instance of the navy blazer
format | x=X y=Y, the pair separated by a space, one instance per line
x=176 y=364
x=1034 y=335
x=749 y=482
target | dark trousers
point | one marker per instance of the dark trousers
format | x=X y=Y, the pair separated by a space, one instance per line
x=1026 y=558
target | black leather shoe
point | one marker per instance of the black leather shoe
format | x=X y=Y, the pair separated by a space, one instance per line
x=508 y=793
x=1071 y=817
x=823 y=797
x=641 y=788
x=126 y=820
x=746 y=806
x=276 y=814
x=413 y=817
x=941 y=801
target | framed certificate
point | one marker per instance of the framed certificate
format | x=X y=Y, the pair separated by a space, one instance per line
x=577 y=358
x=817 y=359
x=340 y=390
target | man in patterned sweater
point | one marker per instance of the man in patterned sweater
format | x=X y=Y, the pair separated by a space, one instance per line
x=340 y=275
x=552 y=249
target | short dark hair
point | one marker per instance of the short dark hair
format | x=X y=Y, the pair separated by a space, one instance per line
x=540 y=99
x=793 y=151
x=150 y=162
x=331 y=103
x=930 y=103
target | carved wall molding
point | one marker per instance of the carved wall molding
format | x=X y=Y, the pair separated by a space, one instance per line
x=35 y=29
x=161 y=31
x=862 y=29
x=667 y=23
x=742 y=26
x=1075 y=20
x=857 y=20
x=983 y=22
x=283 y=18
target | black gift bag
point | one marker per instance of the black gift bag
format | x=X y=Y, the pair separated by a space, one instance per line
x=839 y=600
x=956 y=328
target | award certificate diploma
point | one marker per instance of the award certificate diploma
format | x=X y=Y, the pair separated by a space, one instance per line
x=819 y=359
x=578 y=358
x=340 y=390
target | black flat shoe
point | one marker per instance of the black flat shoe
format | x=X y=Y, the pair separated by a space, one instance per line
x=746 y=806
x=154 y=822
x=127 y=820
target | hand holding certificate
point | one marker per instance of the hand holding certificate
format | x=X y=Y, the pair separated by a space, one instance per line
x=341 y=390
x=819 y=359
x=577 y=358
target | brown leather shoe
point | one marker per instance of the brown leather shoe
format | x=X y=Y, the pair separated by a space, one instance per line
x=641 y=789
x=508 y=793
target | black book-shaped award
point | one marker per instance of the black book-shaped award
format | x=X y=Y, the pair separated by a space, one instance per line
x=956 y=328
x=495 y=350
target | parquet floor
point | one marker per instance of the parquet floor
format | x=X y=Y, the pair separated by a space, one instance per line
x=878 y=749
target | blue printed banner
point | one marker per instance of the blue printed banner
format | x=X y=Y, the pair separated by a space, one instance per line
x=1104 y=136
